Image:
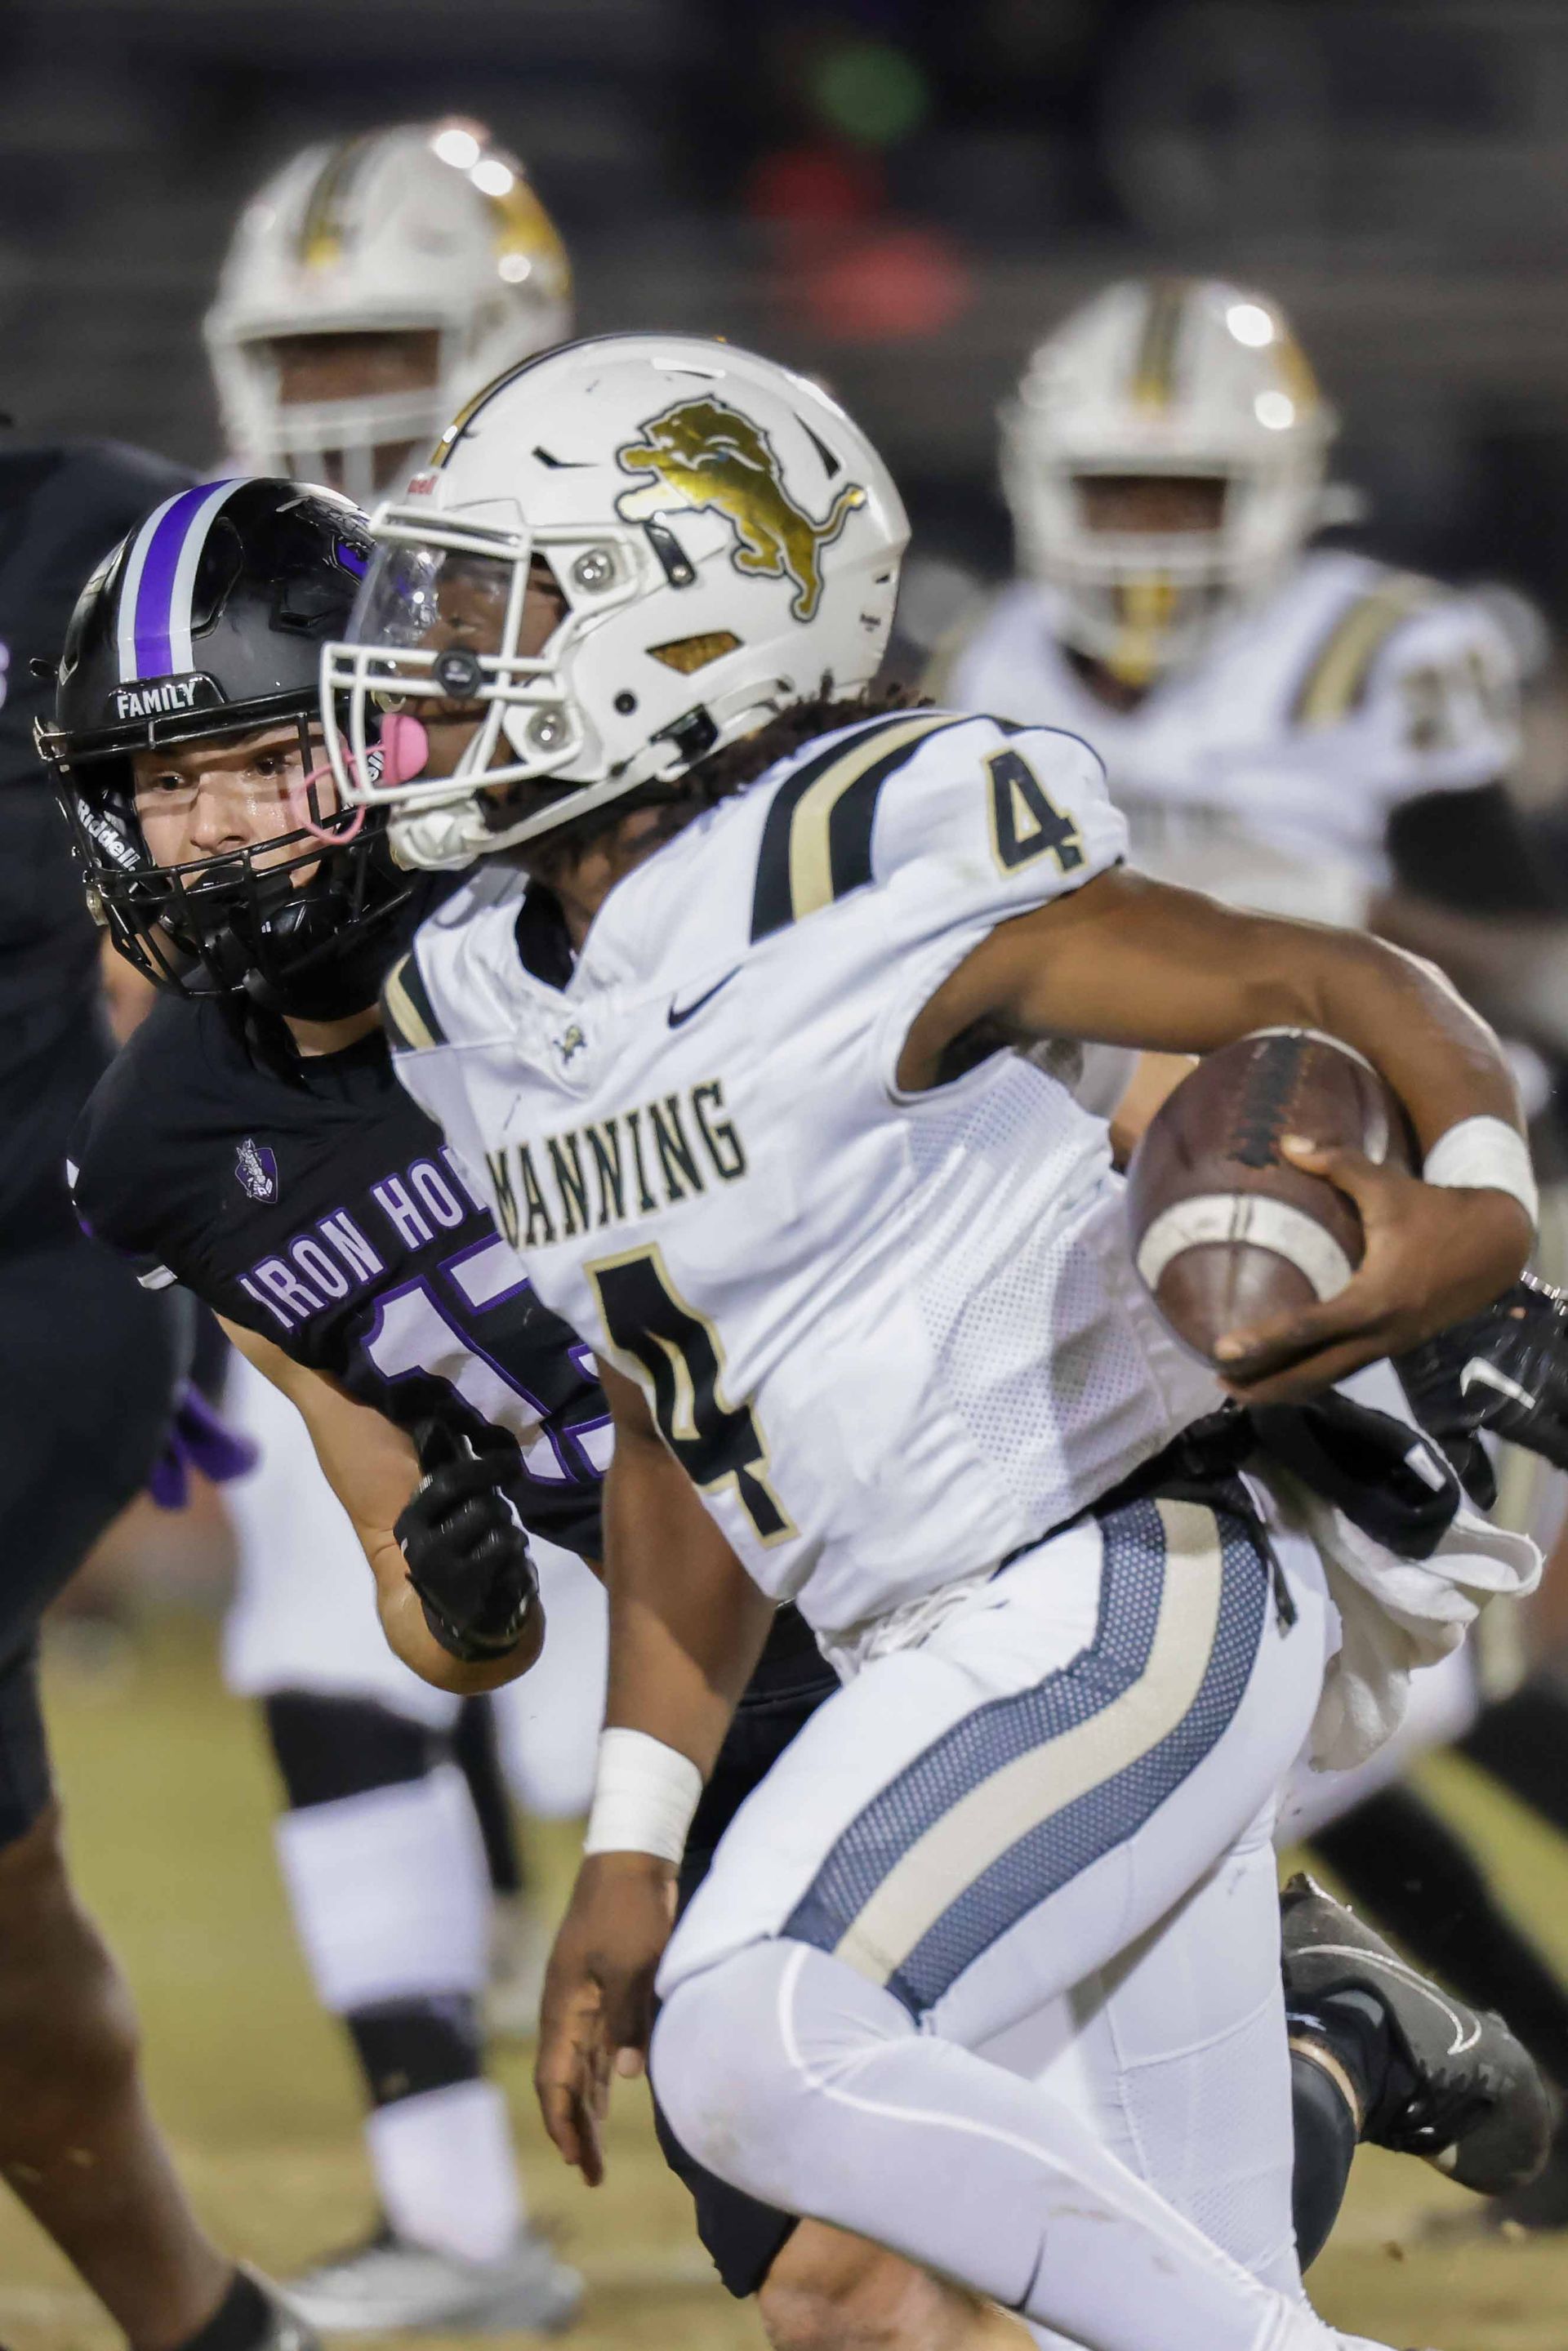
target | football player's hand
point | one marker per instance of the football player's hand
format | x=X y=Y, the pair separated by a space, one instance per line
x=467 y=1553
x=1506 y=1369
x=598 y=2007
x=1433 y=1255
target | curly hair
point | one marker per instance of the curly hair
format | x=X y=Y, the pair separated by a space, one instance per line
x=725 y=772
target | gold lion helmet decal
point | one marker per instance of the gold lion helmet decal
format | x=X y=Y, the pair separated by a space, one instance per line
x=703 y=454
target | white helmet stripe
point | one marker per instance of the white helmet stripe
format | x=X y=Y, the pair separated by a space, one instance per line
x=181 y=655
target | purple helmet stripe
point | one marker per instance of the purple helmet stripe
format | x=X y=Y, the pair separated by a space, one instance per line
x=162 y=626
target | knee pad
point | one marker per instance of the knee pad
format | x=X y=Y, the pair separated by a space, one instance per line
x=742 y=2052
x=407 y=2047
x=329 y=1748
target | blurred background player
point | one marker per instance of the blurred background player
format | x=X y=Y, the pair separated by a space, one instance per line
x=87 y=1396
x=1292 y=728
x=1275 y=717
x=372 y=284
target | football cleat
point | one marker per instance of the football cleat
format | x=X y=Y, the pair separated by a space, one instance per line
x=387 y=2286
x=287 y=2328
x=1460 y=2091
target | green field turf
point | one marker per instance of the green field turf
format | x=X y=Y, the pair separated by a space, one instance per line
x=169 y=1798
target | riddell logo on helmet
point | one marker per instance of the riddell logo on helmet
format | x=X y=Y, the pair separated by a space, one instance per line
x=161 y=697
x=705 y=454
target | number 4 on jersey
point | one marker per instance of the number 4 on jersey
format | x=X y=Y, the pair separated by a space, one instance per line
x=1025 y=822
x=713 y=1440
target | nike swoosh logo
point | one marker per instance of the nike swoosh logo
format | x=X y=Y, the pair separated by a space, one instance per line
x=1477 y=1373
x=677 y=1016
x=1466 y=2030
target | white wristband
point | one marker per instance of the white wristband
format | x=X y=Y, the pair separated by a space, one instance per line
x=645 y=1795
x=1485 y=1155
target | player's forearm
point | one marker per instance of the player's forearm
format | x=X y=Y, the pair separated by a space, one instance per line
x=409 y=1637
x=686 y=1623
x=1132 y=962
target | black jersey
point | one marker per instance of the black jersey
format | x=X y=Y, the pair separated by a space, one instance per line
x=60 y=510
x=313 y=1201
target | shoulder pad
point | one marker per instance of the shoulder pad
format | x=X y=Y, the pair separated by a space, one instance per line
x=817 y=835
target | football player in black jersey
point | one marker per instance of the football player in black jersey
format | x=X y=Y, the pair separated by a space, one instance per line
x=250 y=1142
x=87 y=1385
x=253 y=1144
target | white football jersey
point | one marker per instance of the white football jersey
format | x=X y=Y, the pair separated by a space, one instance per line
x=892 y=1339
x=1266 y=770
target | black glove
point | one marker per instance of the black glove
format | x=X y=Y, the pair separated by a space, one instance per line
x=466 y=1552
x=1506 y=1370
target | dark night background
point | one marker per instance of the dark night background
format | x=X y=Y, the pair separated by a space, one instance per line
x=899 y=196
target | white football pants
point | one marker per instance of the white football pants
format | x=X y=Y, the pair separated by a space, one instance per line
x=1071 y=1775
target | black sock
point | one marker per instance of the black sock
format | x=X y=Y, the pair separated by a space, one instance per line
x=1414 y=1874
x=1354 y=2025
x=408 y=2046
x=240 y=2322
x=1325 y=2143
x=1523 y=1743
x=475 y=1749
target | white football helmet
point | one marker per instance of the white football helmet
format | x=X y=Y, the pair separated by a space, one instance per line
x=727 y=541
x=425 y=227
x=1185 y=377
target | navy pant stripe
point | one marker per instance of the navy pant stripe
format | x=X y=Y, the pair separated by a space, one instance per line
x=1057 y=1848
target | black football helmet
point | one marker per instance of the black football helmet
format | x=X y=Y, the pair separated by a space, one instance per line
x=208 y=621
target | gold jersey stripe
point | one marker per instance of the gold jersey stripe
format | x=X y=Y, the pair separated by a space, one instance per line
x=1337 y=677
x=810 y=863
x=407 y=1012
x=816 y=840
x=1153 y=365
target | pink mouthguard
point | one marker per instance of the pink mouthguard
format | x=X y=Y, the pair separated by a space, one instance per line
x=405 y=750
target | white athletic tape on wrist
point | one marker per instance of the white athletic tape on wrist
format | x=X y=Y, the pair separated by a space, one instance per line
x=643 y=1796
x=1485 y=1155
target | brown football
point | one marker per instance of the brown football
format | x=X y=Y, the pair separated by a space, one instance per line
x=1225 y=1232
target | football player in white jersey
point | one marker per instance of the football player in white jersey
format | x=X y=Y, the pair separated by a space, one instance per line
x=1272 y=716
x=857 y=1274
x=371 y=285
